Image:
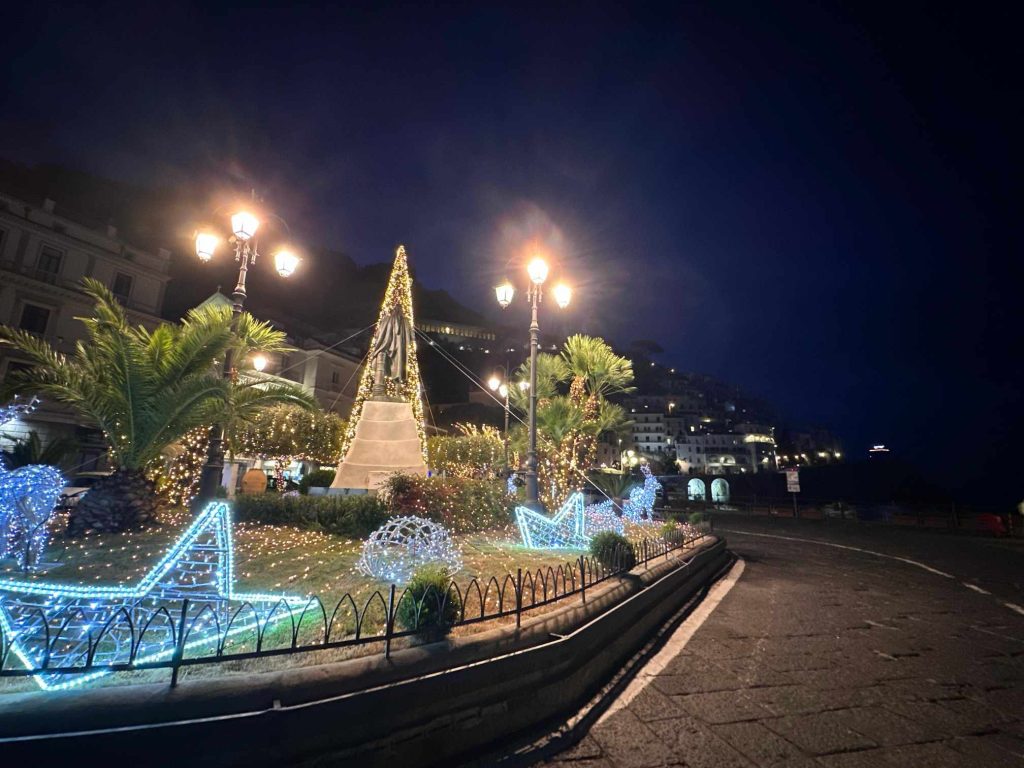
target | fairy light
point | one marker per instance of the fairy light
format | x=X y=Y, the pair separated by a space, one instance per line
x=394 y=551
x=398 y=293
x=28 y=496
x=179 y=482
x=199 y=566
x=564 y=530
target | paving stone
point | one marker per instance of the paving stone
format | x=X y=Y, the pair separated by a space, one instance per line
x=867 y=758
x=980 y=716
x=820 y=733
x=702 y=682
x=887 y=728
x=587 y=748
x=696 y=745
x=652 y=704
x=762 y=746
x=722 y=707
x=994 y=750
x=627 y=743
x=932 y=755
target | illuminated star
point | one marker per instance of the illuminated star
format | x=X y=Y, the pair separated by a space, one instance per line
x=138 y=624
x=565 y=530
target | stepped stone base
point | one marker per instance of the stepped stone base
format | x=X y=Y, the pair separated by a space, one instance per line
x=386 y=442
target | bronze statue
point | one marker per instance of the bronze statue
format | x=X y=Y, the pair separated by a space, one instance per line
x=391 y=353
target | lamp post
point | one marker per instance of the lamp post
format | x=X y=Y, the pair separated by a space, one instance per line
x=244 y=225
x=496 y=384
x=537 y=269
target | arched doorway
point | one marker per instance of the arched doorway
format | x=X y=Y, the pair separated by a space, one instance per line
x=696 y=490
x=719 y=491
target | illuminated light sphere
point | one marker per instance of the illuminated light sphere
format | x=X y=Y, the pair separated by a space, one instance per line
x=494 y=382
x=503 y=390
x=504 y=293
x=244 y=225
x=206 y=244
x=537 y=269
x=524 y=385
x=285 y=262
x=563 y=295
x=259 y=362
x=398 y=548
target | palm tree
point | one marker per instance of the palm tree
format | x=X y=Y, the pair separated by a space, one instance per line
x=32 y=450
x=596 y=371
x=145 y=390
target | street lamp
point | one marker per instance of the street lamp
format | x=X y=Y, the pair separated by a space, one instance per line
x=496 y=384
x=244 y=225
x=537 y=269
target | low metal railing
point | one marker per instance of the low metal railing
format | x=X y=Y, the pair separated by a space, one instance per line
x=186 y=633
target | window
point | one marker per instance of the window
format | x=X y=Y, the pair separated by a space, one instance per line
x=34 y=319
x=48 y=265
x=335 y=377
x=122 y=288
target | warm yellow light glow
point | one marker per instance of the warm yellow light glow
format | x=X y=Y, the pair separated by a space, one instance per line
x=259 y=362
x=206 y=244
x=503 y=390
x=563 y=295
x=537 y=269
x=524 y=385
x=285 y=262
x=244 y=225
x=504 y=293
x=494 y=382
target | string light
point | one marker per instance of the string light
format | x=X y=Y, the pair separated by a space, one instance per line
x=398 y=293
x=28 y=496
x=398 y=548
x=565 y=530
x=199 y=566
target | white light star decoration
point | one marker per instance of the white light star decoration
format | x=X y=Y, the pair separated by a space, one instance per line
x=60 y=624
x=574 y=524
x=394 y=551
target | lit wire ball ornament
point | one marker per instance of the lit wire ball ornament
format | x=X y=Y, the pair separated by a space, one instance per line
x=395 y=550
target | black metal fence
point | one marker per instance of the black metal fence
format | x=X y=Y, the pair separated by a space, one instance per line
x=188 y=633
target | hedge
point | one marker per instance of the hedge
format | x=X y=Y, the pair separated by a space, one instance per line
x=352 y=516
x=460 y=505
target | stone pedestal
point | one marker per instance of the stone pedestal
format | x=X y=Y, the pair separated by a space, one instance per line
x=386 y=441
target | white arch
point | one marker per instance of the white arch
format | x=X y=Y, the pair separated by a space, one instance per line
x=720 y=491
x=696 y=490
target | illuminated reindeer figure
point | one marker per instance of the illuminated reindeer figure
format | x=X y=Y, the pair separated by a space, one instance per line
x=28 y=496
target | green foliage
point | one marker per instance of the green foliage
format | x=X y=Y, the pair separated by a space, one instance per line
x=350 y=516
x=32 y=450
x=696 y=518
x=146 y=389
x=427 y=604
x=477 y=453
x=601 y=372
x=459 y=504
x=615 y=484
x=613 y=550
x=321 y=478
x=668 y=529
x=292 y=431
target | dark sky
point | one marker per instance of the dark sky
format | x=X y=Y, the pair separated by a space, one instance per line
x=812 y=202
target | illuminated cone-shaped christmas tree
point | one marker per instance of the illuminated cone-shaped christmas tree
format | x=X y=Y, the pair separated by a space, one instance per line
x=385 y=433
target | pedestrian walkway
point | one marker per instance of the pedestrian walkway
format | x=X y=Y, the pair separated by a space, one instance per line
x=829 y=657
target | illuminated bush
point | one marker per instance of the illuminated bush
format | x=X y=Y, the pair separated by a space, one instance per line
x=351 y=516
x=460 y=505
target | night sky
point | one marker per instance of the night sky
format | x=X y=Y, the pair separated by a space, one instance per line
x=813 y=203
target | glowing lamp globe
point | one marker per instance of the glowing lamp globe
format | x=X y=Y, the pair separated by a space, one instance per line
x=244 y=225
x=503 y=390
x=537 y=269
x=259 y=362
x=563 y=295
x=504 y=293
x=494 y=382
x=206 y=244
x=524 y=385
x=285 y=262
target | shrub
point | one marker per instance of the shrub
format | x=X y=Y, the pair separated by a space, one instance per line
x=427 y=604
x=613 y=550
x=321 y=478
x=668 y=529
x=352 y=516
x=696 y=518
x=460 y=505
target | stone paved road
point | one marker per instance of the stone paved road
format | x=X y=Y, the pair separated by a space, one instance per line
x=821 y=656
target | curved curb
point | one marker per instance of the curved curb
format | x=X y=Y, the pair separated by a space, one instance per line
x=426 y=705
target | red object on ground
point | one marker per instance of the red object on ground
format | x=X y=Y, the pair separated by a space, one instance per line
x=992 y=524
